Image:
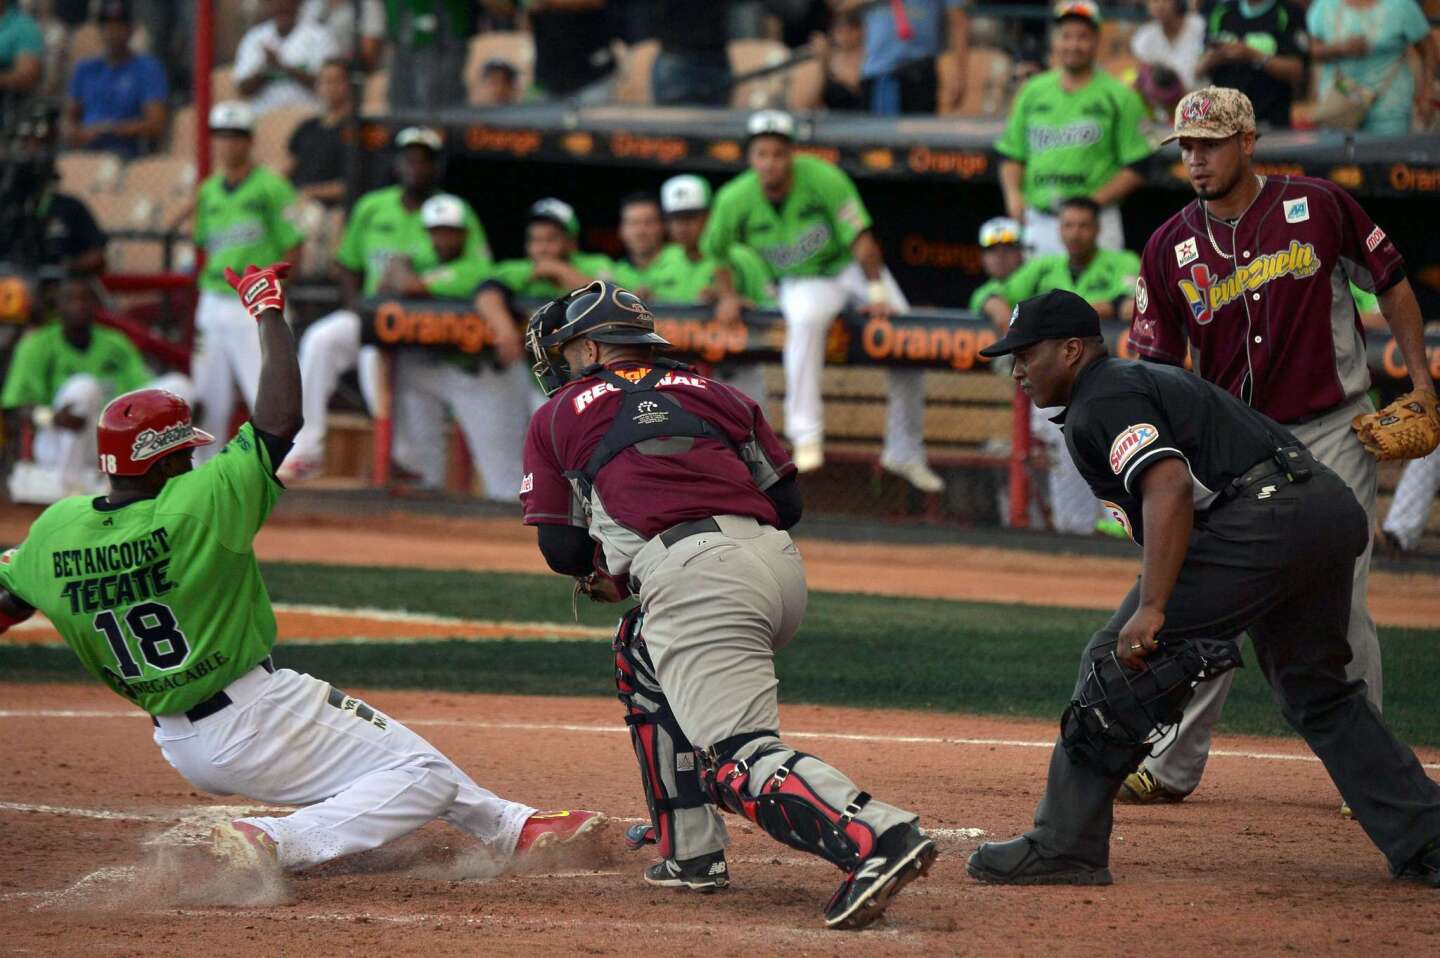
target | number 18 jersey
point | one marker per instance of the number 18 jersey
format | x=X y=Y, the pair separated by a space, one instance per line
x=161 y=598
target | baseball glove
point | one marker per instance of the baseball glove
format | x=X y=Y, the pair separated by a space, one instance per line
x=1408 y=428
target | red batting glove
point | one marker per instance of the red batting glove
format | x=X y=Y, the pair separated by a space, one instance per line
x=259 y=289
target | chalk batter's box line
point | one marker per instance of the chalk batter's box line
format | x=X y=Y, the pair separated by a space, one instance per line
x=613 y=730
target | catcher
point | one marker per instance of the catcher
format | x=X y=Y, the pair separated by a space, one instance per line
x=646 y=477
x=1255 y=275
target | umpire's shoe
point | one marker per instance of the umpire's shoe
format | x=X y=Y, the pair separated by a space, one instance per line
x=1019 y=862
x=704 y=873
x=1424 y=867
x=1143 y=788
x=902 y=855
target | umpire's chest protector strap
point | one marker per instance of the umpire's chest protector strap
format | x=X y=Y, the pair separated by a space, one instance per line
x=647 y=418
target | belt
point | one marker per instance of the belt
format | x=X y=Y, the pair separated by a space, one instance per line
x=685 y=530
x=1287 y=464
x=217 y=701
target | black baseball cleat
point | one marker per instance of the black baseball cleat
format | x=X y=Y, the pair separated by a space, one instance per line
x=1019 y=862
x=703 y=873
x=1424 y=867
x=902 y=855
x=638 y=836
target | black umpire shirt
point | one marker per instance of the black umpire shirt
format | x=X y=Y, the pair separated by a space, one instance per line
x=1125 y=416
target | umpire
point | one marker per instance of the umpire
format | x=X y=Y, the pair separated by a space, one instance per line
x=1242 y=530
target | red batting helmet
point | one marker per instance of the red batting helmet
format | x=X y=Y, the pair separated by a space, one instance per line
x=138 y=429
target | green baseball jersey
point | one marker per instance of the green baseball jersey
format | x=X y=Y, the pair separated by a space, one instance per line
x=380 y=227
x=162 y=598
x=991 y=287
x=249 y=223
x=1109 y=276
x=457 y=279
x=1072 y=143
x=673 y=277
x=808 y=234
x=519 y=274
x=44 y=359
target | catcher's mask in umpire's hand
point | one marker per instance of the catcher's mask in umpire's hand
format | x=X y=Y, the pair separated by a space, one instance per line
x=601 y=311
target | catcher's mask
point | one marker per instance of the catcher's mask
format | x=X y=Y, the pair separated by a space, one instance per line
x=601 y=311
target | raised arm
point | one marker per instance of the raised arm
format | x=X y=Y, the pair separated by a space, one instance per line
x=277 y=405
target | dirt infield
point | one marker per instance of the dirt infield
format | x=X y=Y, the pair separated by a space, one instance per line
x=1258 y=861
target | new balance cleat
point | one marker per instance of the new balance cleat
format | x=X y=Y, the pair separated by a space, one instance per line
x=1142 y=788
x=703 y=873
x=902 y=855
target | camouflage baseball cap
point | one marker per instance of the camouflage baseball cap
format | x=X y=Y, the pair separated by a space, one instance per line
x=1213 y=113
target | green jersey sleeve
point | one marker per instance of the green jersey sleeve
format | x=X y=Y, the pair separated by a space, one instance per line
x=1131 y=145
x=200 y=232
x=280 y=217
x=991 y=287
x=233 y=493
x=351 y=253
x=515 y=274
x=843 y=201
x=10 y=574
x=1024 y=282
x=751 y=275
x=25 y=382
x=1013 y=143
x=458 y=279
x=720 y=229
x=131 y=372
x=477 y=244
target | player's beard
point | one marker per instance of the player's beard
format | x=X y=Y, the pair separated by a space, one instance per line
x=1219 y=192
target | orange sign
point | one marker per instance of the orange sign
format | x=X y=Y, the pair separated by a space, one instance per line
x=958 y=348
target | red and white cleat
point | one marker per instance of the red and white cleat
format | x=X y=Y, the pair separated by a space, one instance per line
x=552 y=829
x=299 y=470
x=245 y=846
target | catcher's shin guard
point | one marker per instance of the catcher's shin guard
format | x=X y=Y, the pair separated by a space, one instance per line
x=669 y=766
x=785 y=804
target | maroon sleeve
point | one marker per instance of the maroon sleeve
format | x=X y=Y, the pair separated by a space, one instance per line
x=544 y=491
x=1370 y=258
x=1158 y=330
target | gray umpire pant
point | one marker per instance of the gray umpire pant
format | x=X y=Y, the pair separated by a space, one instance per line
x=1330 y=440
x=718 y=606
x=1280 y=567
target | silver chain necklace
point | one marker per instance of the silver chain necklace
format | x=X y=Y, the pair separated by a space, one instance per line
x=1210 y=233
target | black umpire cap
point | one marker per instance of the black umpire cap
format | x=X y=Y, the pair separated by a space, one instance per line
x=1058 y=314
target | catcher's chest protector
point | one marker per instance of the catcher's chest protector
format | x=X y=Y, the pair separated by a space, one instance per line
x=649 y=419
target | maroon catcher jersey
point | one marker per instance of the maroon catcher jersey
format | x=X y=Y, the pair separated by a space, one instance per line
x=639 y=495
x=1265 y=302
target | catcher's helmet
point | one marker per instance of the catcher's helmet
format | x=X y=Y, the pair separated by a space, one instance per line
x=140 y=428
x=601 y=311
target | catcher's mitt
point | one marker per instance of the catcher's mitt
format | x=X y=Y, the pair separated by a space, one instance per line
x=1408 y=428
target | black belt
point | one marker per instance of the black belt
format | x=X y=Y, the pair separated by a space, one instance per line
x=1287 y=464
x=684 y=530
x=217 y=701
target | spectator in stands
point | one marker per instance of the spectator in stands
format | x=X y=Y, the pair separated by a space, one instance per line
x=116 y=101
x=1260 y=51
x=22 y=49
x=321 y=146
x=46 y=230
x=361 y=47
x=1362 y=44
x=384 y=224
x=276 y=62
x=1073 y=131
x=60 y=378
x=572 y=49
x=430 y=43
x=1169 y=46
x=170 y=27
x=693 y=65
x=499 y=84
x=1106 y=278
x=841 y=54
x=1001 y=254
x=904 y=46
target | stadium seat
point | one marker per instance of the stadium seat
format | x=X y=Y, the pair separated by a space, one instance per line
x=222 y=85
x=987 y=80
x=749 y=55
x=272 y=135
x=123 y=211
x=636 y=66
x=182 y=132
x=514 y=47
x=84 y=174
x=161 y=176
x=135 y=256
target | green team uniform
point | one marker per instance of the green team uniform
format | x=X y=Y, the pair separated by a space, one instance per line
x=44 y=359
x=249 y=223
x=518 y=275
x=380 y=227
x=457 y=279
x=809 y=234
x=1109 y=276
x=1365 y=302
x=673 y=277
x=1072 y=143
x=991 y=287
x=160 y=598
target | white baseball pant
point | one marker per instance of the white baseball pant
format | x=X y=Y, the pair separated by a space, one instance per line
x=1042 y=231
x=290 y=739
x=1414 y=495
x=330 y=348
x=492 y=407
x=227 y=355
x=810 y=305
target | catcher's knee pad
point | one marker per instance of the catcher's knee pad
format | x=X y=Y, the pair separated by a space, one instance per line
x=669 y=766
x=786 y=804
x=1119 y=714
